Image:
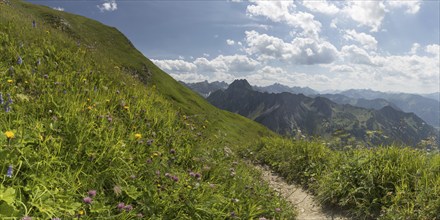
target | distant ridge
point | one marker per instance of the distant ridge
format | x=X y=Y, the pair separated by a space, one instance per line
x=297 y=114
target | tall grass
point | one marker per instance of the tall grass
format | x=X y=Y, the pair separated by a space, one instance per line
x=85 y=138
x=385 y=182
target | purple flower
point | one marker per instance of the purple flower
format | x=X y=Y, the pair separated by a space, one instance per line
x=232 y=214
x=175 y=178
x=9 y=173
x=92 y=193
x=277 y=210
x=128 y=208
x=120 y=206
x=87 y=200
x=192 y=174
x=55 y=219
x=149 y=160
x=167 y=175
x=19 y=60
x=9 y=99
x=172 y=151
x=198 y=176
x=26 y=218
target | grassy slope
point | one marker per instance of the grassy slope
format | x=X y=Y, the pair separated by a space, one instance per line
x=75 y=118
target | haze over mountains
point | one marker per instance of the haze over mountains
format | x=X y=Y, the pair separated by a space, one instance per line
x=423 y=106
x=297 y=114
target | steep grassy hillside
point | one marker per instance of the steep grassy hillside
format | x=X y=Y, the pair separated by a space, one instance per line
x=83 y=136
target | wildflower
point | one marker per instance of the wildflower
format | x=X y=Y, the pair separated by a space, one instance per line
x=149 y=160
x=10 y=81
x=167 y=175
x=11 y=70
x=38 y=62
x=157 y=172
x=9 y=172
x=198 y=176
x=1 y=99
x=81 y=212
x=26 y=218
x=277 y=210
x=140 y=215
x=120 y=206
x=34 y=24
x=19 y=60
x=92 y=193
x=55 y=219
x=126 y=107
x=235 y=200
x=262 y=218
x=192 y=174
x=133 y=176
x=138 y=136
x=150 y=142
x=232 y=214
x=9 y=134
x=117 y=190
x=45 y=76
x=87 y=200
x=9 y=99
x=128 y=208
x=172 y=151
x=175 y=178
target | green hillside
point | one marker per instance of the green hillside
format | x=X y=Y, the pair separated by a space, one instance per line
x=90 y=128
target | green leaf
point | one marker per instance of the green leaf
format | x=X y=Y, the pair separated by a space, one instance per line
x=7 y=195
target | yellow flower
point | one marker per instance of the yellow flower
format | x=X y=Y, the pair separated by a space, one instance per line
x=126 y=107
x=10 y=81
x=9 y=134
x=89 y=107
x=81 y=212
x=138 y=136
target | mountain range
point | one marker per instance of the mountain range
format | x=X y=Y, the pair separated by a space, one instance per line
x=298 y=115
x=426 y=106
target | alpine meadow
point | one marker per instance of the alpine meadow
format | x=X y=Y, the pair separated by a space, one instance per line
x=92 y=129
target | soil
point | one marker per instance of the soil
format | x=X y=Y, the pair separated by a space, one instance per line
x=307 y=207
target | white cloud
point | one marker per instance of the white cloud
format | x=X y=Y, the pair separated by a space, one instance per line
x=415 y=47
x=355 y=54
x=230 y=42
x=412 y=6
x=366 y=40
x=341 y=68
x=285 y=11
x=58 y=8
x=366 y=13
x=176 y=66
x=233 y=64
x=322 y=6
x=108 y=6
x=334 y=23
x=433 y=49
x=300 y=51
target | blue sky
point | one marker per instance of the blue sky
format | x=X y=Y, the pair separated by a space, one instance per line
x=326 y=45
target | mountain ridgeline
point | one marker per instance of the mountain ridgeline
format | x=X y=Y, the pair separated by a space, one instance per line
x=298 y=115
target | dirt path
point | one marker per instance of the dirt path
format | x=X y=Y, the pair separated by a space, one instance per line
x=307 y=208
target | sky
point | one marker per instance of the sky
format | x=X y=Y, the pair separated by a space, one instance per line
x=390 y=46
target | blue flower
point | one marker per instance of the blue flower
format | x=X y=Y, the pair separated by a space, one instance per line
x=19 y=60
x=9 y=173
x=1 y=99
